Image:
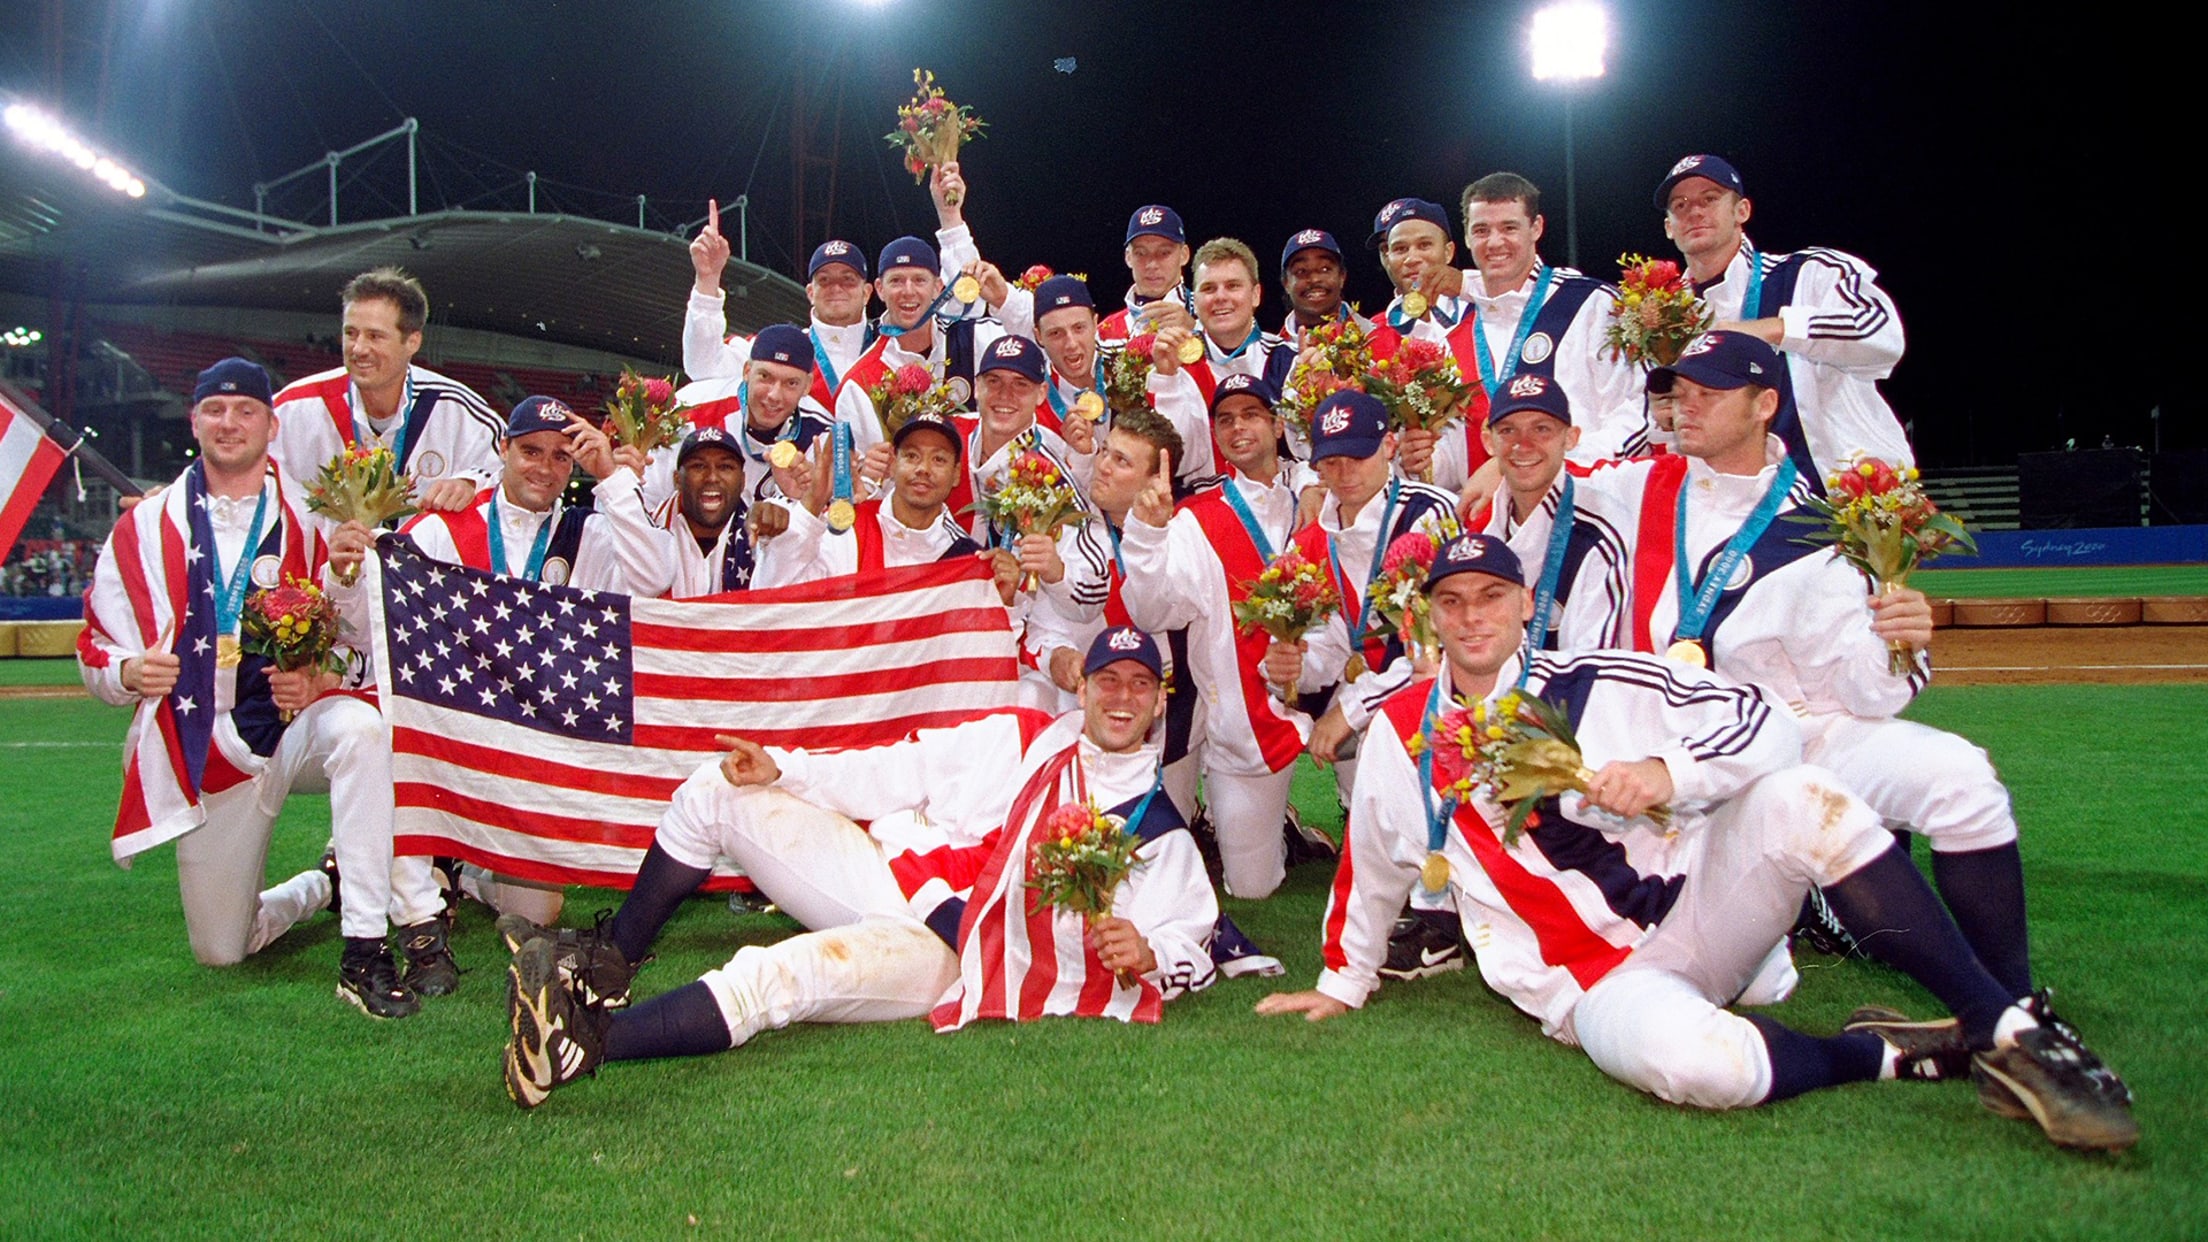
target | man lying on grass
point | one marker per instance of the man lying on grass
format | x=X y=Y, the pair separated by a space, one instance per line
x=927 y=911
x=1628 y=918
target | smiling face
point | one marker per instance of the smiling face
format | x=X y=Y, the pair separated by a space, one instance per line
x=771 y=393
x=1704 y=219
x=1313 y=281
x=1156 y=265
x=1529 y=447
x=1248 y=434
x=711 y=485
x=1481 y=620
x=1226 y=300
x=1119 y=703
x=923 y=473
x=1412 y=247
x=1068 y=338
x=377 y=353
x=233 y=432
x=538 y=466
x=1007 y=402
x=906 y=293
x=838 y=294
x=1503 y=239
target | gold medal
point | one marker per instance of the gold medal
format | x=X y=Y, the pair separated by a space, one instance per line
x=1355 y=669
x=1433 y=874
x=841 y=515
x=1191 y=352
x=783 y=455
x=227 y=651
x=1688 y=651
x=1089 y=406
x=1414 y=304
x=966 y=289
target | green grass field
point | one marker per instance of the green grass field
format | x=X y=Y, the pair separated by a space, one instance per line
x=146 y=1095
x=2102 y=581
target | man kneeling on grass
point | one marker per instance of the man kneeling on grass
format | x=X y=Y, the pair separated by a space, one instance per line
x=927 y=911
x=1629 y=936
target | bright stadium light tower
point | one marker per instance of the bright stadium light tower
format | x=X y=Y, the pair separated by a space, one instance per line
x=44 y=133
x=1569 y=40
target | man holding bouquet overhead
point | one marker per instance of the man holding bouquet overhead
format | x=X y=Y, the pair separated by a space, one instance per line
x=1628 y=840
x=223 y=734
x=965 y=897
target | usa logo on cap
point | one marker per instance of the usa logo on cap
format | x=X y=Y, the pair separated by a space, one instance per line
x=1125 y=638
x=1336 y=421
x=1151 y=215
x=1309 y=237
x=554 y=411
x=1395 y=209
x=1008 y=347
x=1528 y=386
x=1692 y=161
x=1702 y=345
x=836 y=247
x=1467 y=548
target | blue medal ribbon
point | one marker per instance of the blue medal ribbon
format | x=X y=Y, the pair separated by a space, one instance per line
x=820 y=360
x=1227 y=355
x=788 y=430
x=1064 y=408
x=1243 y=513
x=230 y=601
x=1696 y=603
x=1437 y=816
x=362 y=432
x=1493 y=378
x=1379 y=554
x=1544 y=595
x=535 y=568
x=888 y=329
x=1751 y=302
x=841 y=459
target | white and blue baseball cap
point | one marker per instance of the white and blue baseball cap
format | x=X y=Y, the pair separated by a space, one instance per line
x=1475 y=554
x=538 y=414
x=1712 y=167
x=1123 y=642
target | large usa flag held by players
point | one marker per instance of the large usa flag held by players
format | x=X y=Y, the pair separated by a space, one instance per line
x=540 y=730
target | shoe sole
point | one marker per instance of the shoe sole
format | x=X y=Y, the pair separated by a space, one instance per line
x=1428 y=971
x=354 y=999
x=531 y=978
x=524 y=1093
x=436 y=985
x=2061 y=1131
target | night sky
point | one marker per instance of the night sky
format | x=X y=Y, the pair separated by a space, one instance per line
x=2004 y=179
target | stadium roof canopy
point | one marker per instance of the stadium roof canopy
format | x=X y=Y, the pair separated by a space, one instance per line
x=560 y=278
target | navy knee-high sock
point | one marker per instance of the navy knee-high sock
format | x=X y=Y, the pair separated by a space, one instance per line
x=1806 y=1062
x=661 y=884
x=1984 y=890
x=686 y=1022
x=1887 y=901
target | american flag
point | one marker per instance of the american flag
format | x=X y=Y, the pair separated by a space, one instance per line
x=540 y=730
x=28 y=459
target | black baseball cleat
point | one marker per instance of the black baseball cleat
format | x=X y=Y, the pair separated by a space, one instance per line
x=1306 y=844
x=1930 y=1051
x=1420 y=945
x=430 y=969
x=556 y=1037
x=1819 y=928
x=368 y=979
x=2048 y=1076
x=329 y=868
x=586 y=957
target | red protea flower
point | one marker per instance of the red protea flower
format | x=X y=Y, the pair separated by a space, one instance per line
x=1035 y=275
x=913 y=379
x=1412 y=548
x=1141 y=346
x=658 y=391
x=1418 y=354
x=1662 y=272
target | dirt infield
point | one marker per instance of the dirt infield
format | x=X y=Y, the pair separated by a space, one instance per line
x=2044 y=655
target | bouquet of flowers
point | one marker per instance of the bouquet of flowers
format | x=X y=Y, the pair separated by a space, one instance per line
x=1421 y=386
x=642 y=412
x=1034 y=276
x=930 y=128
x=1127 y=375
x=1035 y=498
x=1335 y=356
x=1522 y=750
x=361 y=485
x=1880 y=521
x=1656 y=313
x=1398 y=595
x=1078 y=860
x=294 y=625
x=909 y=390
x=1293 y=594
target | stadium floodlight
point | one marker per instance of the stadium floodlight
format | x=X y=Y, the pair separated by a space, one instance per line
x=21 y=337
x=45 y=133
x=1569 y=41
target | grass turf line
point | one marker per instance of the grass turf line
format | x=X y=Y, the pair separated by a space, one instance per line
x=144 y=1092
